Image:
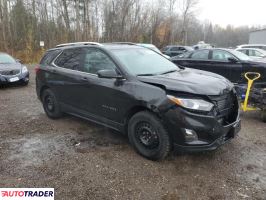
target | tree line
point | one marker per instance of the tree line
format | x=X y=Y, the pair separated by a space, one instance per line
x=24 y=23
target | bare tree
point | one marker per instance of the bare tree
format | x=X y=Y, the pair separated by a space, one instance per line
x=23 y=23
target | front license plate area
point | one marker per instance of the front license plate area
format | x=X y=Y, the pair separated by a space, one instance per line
x=14 y=79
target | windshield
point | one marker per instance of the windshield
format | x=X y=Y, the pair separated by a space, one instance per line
x=145 y=62
x=241 y=56
x=150 y=46
x=165 y=48
x=4 y=58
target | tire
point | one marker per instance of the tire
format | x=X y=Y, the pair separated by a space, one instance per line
x=51 y=105
x=263 y=115
x=25 y=83
x=148 y=136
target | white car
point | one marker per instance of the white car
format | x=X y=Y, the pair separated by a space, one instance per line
x=252 y=46
x=253 y=52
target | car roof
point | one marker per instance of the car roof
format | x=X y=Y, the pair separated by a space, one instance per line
x=224 y=49
x=110 y=46
x=176 y=46
x=146 y=44
x=257 y=49
x=248 y=45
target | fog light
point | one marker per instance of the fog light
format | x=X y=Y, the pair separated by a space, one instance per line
x=190 y=135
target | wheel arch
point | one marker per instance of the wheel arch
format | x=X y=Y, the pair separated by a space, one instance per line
x=42 y=90
x=135 y=110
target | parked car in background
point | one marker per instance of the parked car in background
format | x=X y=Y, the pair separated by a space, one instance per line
x=12 y=71
x=154 y=48
x=136 y=91
x=174 y=50
x=202 y=45
x=226 y=62
x=253 y=53
x=256 y=46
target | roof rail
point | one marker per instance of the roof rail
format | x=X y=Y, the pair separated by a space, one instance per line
x=128 y=43
x=78 y=43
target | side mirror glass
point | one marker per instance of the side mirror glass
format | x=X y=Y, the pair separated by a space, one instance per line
x=109 y=73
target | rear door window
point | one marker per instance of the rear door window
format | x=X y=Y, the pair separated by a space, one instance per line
x=49 y=57
x=175 y=49
x=243 y=51
x=256 y=53
x=70 y=59
x=221 y=55
x=200 y=55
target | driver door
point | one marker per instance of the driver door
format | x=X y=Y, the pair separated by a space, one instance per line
x=104 y=99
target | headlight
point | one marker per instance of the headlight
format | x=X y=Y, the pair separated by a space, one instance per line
x=24 y=69
x=194 y=104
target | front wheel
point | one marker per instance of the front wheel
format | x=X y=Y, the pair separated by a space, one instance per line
x=51 y=105
x=148 y=136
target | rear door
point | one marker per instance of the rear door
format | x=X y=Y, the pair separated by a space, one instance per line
x=68 y=78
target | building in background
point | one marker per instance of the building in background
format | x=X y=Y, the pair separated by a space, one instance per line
x=257 y=37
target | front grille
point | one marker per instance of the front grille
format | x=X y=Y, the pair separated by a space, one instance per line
x=226 y=107
x=10 y=72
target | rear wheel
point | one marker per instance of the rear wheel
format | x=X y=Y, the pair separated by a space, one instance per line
x=51 y=105
x=148 y=136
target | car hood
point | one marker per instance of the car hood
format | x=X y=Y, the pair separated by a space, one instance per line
x=191 y=81
x=8 y=66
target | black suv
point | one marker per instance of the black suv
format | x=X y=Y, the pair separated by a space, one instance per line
x=138 y=92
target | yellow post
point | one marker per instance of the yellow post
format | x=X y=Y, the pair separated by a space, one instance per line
x=250 y=83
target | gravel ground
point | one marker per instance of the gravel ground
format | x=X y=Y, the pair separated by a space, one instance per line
x=84 y=161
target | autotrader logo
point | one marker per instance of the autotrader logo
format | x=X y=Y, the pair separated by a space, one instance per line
x=27 y=193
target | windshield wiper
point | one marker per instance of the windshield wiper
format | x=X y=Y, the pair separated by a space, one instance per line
x=147 y=74
x=168 y=72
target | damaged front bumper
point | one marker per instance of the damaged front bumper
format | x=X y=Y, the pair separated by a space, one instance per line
x=195 y=132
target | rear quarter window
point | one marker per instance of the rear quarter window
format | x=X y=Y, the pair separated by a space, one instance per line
x=49 y=57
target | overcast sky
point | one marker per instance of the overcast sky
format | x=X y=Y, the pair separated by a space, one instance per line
x=234 y=12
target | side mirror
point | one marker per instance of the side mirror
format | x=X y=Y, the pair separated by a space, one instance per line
x=109 y=73
x=18 y=60
x=232 y=60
